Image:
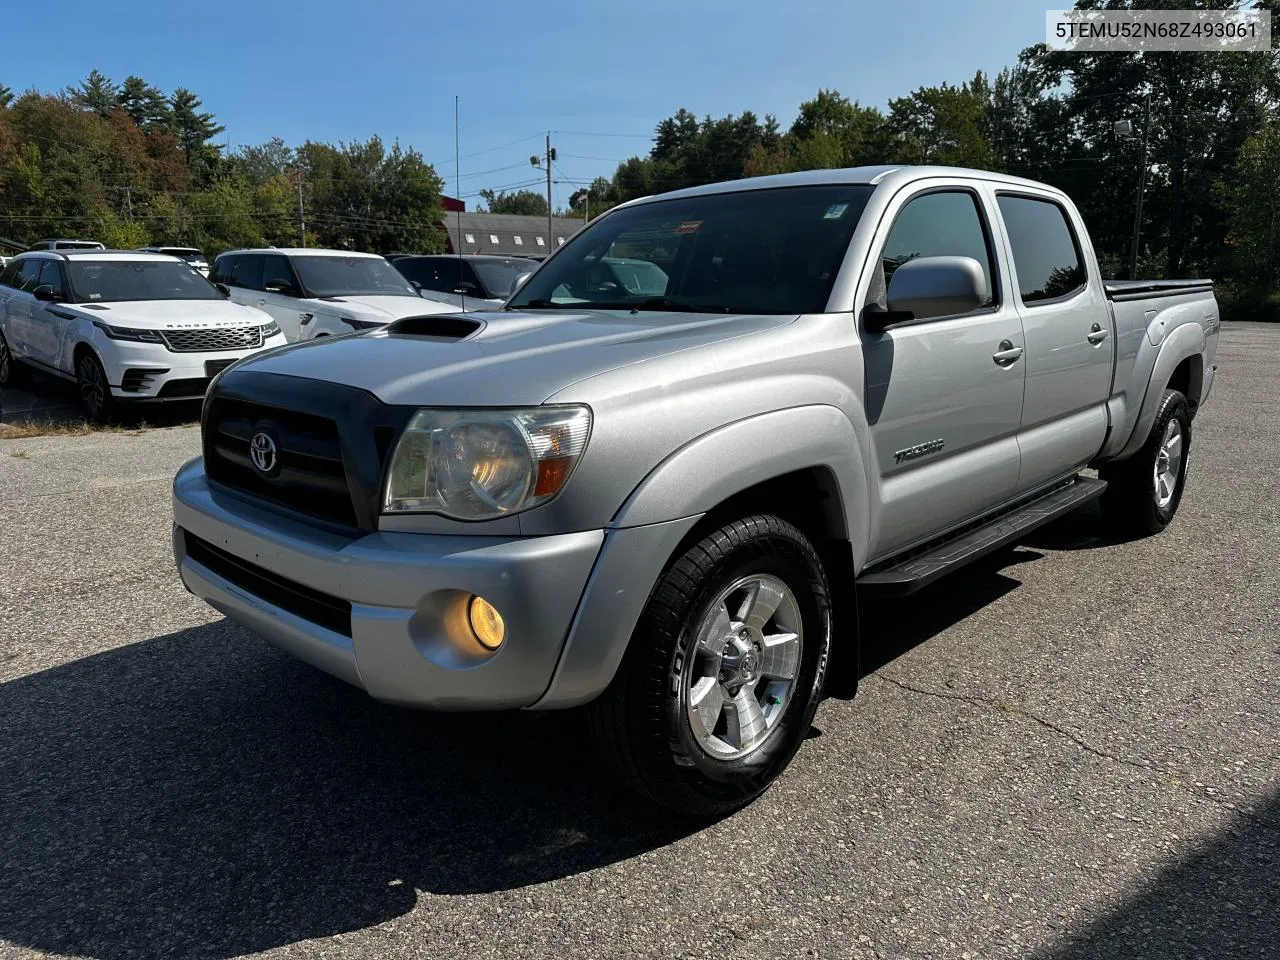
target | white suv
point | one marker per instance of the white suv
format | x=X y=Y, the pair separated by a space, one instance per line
x=320 y=293
x=126 y=326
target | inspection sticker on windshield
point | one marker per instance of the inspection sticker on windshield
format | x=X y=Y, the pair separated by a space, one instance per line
x=689 y=226
x=835 y=211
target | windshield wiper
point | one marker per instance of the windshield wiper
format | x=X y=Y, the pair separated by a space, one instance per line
x=656 y=303
x=541 y=304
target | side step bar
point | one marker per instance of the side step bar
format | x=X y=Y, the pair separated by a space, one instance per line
x=920 y=569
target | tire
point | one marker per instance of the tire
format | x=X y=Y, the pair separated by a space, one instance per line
x=1143 y=492
x=12 y=372
x=645 y=726
x=95 y=392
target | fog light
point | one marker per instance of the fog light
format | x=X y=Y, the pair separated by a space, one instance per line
x=486 y=623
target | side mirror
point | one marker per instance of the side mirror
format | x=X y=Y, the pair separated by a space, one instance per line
x=929 y=287
x=45 y=292
x=518 y=282
x=282 y=287
x=465 y=287
x=223 y=289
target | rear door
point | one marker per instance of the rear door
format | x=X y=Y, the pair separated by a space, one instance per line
x=49 y=320
x=1069 y=340
x=22 y=307
x=943 y=409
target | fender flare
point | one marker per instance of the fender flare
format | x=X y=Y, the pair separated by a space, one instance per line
x=1187 y=341
x=665 y=506
x=715 y=466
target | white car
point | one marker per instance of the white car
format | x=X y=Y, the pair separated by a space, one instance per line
x=192 y=255
x=126 y=326
x=321 y=293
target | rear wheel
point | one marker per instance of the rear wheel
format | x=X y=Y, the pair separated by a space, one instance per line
x=95 y=392
x=1143 y=492
x=724 y=671
x=12 y=373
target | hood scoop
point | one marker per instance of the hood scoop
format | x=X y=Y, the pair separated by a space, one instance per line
x=443 y=326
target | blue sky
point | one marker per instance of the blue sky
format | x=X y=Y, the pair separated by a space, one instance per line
x=598 y=74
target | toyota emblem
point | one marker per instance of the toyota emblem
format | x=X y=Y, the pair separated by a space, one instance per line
x=263 y=453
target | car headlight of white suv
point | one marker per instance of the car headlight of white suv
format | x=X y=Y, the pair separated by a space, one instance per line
x=482 y=464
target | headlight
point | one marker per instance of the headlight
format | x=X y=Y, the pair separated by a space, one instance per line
x=362 y=324
x=270 y=329
x=129 y=333
x=481 y=464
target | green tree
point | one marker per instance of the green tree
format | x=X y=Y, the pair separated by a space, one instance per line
x=194 y=129
x=1251 y=197
x=145 y=104
x=941 y=125
x=96 y=92
x=526 y=202
x=6 y=96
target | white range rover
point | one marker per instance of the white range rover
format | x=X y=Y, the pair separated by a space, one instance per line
x=126 y=326
x=322 y=293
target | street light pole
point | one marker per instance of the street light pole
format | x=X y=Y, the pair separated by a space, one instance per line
x=1142 y=184
x=550 y=242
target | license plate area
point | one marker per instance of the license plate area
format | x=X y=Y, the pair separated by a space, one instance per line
x=214 y=367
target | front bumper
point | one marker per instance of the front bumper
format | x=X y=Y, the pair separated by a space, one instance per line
x=408 y=642
x=169 y=374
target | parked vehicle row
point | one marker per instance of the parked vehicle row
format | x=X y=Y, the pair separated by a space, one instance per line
x=657 y=480
x=125 y=326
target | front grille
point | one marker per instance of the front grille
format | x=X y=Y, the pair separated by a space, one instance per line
x=311 y=478
x=315 y=606
x=212 y=338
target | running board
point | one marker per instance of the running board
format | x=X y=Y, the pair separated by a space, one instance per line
x=920 y=569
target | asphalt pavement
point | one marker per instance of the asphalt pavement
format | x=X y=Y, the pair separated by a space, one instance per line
x=1070 y=751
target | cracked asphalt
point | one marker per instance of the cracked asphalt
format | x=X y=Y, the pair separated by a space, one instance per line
x=1070 y=751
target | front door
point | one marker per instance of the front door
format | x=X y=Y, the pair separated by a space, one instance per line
x=1069 y=340
x=280 y=296
x=23 y=307
x=943 y=396
x=50 y=321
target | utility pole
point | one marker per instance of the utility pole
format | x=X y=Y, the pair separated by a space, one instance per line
x=550 y=157
x=1142 y=184
x=302 y=220
x=537 y=161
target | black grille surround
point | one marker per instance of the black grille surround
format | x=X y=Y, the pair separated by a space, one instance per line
x=332 y=443
x=315 y=606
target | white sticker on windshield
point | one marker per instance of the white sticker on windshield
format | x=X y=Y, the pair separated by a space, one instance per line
x=835 y=211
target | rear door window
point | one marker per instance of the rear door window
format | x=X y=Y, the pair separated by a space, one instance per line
x=1046 y=255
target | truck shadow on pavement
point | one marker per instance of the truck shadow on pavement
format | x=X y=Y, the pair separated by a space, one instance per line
x=201 y=795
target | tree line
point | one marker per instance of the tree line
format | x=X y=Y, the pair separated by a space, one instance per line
x=130 y=166
x=1212 y=129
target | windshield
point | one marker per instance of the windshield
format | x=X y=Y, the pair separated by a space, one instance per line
x=351 y=276
x=753 y=251
x=105 y=281
x=496 y=275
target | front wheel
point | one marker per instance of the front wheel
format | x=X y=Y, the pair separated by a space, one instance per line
x=95 y=392
x=1143 y=492
x=723 y=673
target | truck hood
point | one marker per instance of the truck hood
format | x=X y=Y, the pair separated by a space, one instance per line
x=514 y=359
x=169 y=314
x=383 y=309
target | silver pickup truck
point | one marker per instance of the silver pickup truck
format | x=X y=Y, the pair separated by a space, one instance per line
x=660 y=500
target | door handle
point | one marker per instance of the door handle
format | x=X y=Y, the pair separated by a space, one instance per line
x=1006 y=354
x=1096 y=335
